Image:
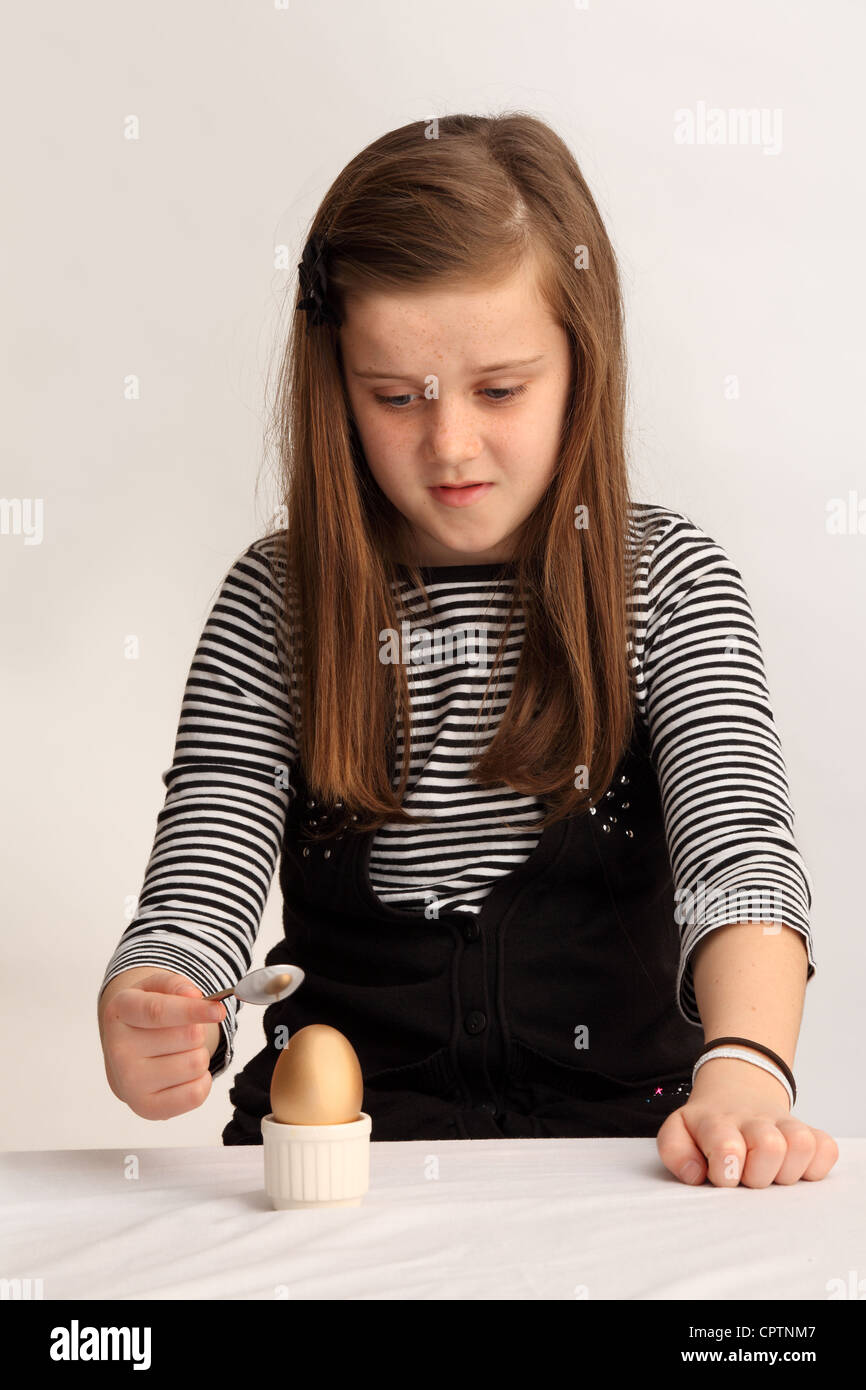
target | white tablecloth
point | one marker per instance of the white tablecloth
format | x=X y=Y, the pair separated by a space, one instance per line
x=472 y=1219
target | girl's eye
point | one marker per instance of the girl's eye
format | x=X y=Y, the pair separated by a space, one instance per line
x=500 y=394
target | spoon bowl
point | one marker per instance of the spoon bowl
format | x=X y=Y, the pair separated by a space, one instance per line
x=264 y=986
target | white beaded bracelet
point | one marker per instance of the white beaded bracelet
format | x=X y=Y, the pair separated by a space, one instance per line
x=740 y=1054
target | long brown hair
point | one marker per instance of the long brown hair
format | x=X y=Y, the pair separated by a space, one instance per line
x=410 y=211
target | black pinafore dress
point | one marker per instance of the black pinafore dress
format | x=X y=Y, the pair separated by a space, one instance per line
x=551 y=1012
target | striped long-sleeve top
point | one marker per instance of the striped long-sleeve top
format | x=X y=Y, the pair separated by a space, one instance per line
x=701 y=689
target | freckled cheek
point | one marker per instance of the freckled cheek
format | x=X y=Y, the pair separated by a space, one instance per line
x=392 y=466
x=516 y=452
x=384 y=450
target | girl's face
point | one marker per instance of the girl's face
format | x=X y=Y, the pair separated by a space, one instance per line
x=452 y=386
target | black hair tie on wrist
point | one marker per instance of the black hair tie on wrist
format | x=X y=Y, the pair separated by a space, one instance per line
x=758 y=1047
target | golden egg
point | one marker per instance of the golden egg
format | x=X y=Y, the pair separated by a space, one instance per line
x=317 y=1079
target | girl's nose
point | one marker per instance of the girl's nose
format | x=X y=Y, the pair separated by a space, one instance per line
x=452 y=433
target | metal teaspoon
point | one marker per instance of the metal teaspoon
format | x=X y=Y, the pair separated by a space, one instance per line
x=265 y=986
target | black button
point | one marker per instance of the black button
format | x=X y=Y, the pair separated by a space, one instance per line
x=471 y=931
x=475 y=1021
x=489 y=1105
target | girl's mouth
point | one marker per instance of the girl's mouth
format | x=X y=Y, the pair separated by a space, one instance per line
x=460 y=496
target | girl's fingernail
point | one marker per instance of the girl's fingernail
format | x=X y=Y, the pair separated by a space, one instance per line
x=690 y=1170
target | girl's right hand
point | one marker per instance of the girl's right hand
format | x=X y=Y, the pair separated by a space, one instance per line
x=158 y=1035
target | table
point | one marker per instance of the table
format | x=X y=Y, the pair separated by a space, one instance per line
x=458 y=1219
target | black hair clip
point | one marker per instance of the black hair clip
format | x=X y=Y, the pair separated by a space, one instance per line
x=314 y=284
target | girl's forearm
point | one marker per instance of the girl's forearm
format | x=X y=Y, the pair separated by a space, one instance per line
x=737 y=1126
x=750 y=982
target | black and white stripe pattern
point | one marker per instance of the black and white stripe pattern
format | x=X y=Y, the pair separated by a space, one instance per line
x=701 y=690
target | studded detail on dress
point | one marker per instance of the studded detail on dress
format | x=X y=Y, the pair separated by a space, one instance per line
x=612 y=824
x=316 y=819
x=683 y=1090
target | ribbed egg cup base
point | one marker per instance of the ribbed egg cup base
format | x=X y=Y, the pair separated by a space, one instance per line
x=316 y=1165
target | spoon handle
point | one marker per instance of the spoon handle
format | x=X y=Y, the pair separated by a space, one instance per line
x=214 y=998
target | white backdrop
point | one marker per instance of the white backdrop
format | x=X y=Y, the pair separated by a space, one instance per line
x=742 y=271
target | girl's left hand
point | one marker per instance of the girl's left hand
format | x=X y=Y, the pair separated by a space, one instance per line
x=736 y=1128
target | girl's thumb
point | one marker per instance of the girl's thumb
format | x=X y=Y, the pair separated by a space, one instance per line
x=679 y=1152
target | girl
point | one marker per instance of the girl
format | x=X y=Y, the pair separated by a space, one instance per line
x=508 y=731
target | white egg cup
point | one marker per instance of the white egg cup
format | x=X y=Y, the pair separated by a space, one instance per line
x=316 y=1165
